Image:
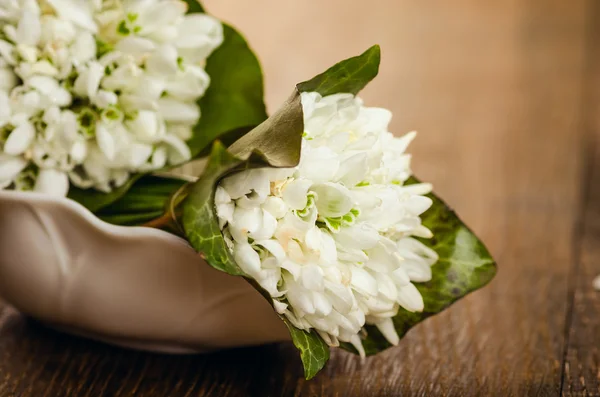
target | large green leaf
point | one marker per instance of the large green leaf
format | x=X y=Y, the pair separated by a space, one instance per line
x=464 y=266
x=233 y=103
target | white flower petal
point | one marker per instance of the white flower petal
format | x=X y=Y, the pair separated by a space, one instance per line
x=243 y=183
x=400 y=277
x=163 y=61
x=410 y=298
x=250 y=201
x=83 y=48
x=363 y=282
x=221 y=196
x=357 y=343
x=104 y=99
x=179 y=152
x=225 y=213
x=20 y=139
x=267 y=229
x=386 y=286
x=125 y=77
x=353 y=169
x=139 y=154
x=312 y=278
x=329 y=254
x=269 y=279
x=419 y=204
x=297 y=297
x=52 y=182
x=7 y=52
x=145 y=126
x=295 y=193
x=418 y=188
x=333 y=200
x=188 y=85
x=88 y=82
x=29 y=29
x=136 y=46
x=418 y=271
x=247 y=220
x=76 y=11
x=106 y=141
x=200 y=32
x=10 y=167
x=274 y=248
x=78 y=151
x=151 y=88
x=159 y=157
x=247 y=259
x=323 y=305
x=292 y=267
x=160 y=14
x=319 y=165
x=8 y=79
x=280 y=307
x=360 y=236
x=341 y=296
x=275 y=206
x=43 y=67
x=4 y=108
x=176 y=111
x=387 y=329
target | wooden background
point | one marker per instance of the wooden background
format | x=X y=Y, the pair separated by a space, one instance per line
x=506 y=95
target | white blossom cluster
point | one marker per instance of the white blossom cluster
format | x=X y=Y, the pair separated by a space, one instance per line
x=94 y=90
x=332 y=240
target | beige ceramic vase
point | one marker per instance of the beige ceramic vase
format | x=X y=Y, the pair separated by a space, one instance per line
x=131 y=286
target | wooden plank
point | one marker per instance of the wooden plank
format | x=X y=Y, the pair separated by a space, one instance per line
x=582 y=359
x=496 y=90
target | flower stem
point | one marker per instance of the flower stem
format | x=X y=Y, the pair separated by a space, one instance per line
x=159 y=222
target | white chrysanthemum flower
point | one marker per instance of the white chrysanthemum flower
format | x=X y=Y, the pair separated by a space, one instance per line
x=332 y=240
x=93 y=90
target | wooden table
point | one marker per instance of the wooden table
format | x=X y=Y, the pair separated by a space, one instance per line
x=506 y=95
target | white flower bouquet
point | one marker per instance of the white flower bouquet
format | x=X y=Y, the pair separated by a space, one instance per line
x=315 y=206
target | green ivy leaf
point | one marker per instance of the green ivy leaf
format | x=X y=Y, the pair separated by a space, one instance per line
x=349 y=76
x=314 y=352
x=233 y=101
x=464 y=266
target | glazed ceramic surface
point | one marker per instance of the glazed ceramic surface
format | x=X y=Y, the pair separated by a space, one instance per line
x=133 y=286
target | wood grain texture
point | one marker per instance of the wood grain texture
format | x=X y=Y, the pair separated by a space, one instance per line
x=582 y=356
x=499 y=92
